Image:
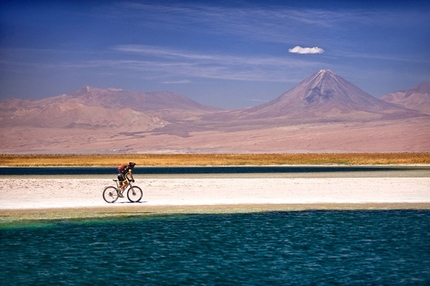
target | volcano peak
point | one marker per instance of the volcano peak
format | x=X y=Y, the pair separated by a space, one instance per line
x=325 y=71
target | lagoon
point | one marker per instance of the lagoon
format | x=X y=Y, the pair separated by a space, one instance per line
x=277 y=248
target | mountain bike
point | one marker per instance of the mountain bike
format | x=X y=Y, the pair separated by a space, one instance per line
x=111 y=193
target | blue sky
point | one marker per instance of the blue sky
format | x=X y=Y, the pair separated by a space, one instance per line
x=229 y=54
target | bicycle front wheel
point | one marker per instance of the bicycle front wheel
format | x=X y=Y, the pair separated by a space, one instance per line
x=110 y=194
x=134 y=194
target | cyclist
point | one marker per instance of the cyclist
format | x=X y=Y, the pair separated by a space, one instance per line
x=125 y=172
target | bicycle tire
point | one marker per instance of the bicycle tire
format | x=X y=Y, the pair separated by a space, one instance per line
x=110 y=194
x=134 y=194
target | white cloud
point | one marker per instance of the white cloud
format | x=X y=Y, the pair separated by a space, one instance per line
x=304 y=51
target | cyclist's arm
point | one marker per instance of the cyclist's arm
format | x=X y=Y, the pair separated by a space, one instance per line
x=131 y=175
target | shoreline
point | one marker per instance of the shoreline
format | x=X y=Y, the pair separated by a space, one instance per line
x=56 y=197
x=8 y=216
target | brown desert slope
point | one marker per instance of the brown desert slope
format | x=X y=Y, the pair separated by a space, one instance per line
x=91 y=107
x=113 y=98
x=417 y=98
x=324 y=113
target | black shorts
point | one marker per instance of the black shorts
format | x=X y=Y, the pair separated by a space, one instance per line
x=121 y=177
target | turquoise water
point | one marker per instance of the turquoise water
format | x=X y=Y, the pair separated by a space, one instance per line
x=276 y=248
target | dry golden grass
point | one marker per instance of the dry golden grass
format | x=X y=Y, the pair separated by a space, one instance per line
x=213 y=159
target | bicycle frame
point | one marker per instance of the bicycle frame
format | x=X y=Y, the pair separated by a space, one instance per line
x=126 y=187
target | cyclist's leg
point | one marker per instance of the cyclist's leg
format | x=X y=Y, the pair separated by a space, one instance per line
x=122 y=181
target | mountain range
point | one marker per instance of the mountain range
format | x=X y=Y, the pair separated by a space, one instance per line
x=323 y=113
x=417 y=98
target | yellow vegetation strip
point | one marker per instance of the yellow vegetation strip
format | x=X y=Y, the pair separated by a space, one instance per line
x=213 y=159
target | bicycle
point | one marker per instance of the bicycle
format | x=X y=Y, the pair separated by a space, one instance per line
x=111 y=193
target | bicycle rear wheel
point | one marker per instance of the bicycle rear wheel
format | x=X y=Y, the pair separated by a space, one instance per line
x=110 y=194
x=134 y=194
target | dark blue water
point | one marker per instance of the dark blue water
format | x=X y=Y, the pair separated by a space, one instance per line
x=277 y=248
x=204 y=170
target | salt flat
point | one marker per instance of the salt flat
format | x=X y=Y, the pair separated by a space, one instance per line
x=53 y=192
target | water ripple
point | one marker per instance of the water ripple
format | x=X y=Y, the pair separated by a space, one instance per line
x=288 y=248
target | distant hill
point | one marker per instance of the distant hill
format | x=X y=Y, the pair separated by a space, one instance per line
x=92 y=107
x=140 y=101
x=417 y=98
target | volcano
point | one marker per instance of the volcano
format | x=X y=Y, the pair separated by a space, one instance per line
x=326 y=96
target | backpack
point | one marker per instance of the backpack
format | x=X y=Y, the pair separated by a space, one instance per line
x=122 y=168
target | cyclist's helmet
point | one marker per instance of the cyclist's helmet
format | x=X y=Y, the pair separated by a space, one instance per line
x=131 y=164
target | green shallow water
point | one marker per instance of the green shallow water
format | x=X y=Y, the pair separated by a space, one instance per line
x=277 y=248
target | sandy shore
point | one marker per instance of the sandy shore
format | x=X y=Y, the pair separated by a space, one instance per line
x=82 y=197
x=71 y=193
